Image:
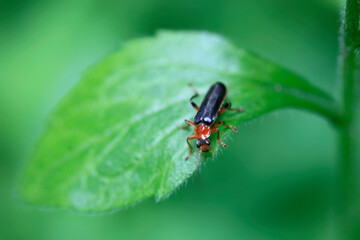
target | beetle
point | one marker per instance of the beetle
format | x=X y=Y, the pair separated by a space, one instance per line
x=204 y=121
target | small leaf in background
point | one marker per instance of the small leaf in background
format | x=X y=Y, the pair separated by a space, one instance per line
x=114 y=139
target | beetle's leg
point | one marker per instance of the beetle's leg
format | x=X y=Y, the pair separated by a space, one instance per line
x=218 y=137
x=226 y=125
x=227 y=105
x=188 y=123
x=191 y=148
x=196 y=95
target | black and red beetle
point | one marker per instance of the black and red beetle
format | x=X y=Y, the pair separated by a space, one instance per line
x=211 y=107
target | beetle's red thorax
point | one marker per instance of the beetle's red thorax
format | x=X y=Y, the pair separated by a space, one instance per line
x=202 y=131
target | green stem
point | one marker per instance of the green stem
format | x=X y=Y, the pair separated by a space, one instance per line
x=350 y=137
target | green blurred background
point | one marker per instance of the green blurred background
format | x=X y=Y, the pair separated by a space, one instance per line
x=275 y=181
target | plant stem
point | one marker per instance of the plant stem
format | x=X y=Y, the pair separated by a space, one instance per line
x=350 y=136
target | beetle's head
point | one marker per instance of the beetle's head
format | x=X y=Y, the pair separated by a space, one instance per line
x=203 y=144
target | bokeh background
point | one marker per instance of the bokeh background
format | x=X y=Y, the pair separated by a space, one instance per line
x=276 y=179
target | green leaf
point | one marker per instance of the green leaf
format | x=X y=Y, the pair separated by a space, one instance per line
x=114 y=139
